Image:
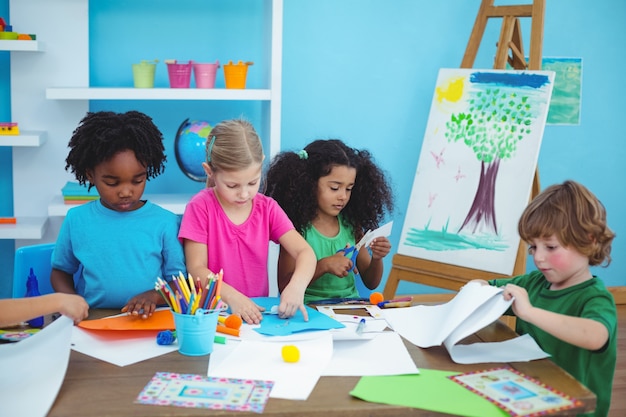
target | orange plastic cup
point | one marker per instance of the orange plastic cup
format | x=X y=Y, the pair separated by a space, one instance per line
x=235 y=74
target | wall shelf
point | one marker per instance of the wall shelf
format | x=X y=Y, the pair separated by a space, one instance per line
x=25 y=138
x=25 y=228
x=106 y=93
x=175 y=203
x=32 y=46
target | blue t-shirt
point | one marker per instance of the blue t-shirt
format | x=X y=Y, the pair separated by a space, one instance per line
x=122 y=253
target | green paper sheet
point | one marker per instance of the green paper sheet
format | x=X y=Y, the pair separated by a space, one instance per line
x=429 y=390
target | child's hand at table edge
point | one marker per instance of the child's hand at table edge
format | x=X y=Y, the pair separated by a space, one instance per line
x=143 y=304
x=73 y=306
x=291 y=300
x=243 y=306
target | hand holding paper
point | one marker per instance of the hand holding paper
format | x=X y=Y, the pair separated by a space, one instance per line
x=382 y=231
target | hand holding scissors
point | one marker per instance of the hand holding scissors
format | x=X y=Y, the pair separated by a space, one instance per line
x=351 y=252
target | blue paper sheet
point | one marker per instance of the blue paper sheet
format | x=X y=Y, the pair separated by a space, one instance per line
x=272 y=325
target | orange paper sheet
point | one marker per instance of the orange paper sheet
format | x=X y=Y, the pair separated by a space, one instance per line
x=160 y=320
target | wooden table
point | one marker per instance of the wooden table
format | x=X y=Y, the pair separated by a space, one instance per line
x=99 y=389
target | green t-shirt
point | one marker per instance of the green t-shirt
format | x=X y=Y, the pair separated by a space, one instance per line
x=328 y=285
x=589 y=299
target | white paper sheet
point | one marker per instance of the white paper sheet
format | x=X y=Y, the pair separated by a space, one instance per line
x=119 y=347
x=519 y=349
x=255 y=359
x=385 y=354
x=473 y=308
x=34 y=368
x=382 y=231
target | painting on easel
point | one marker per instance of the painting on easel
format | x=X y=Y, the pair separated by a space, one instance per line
x=476 y=167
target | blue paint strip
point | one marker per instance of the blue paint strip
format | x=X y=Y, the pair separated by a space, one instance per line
x=510 y=79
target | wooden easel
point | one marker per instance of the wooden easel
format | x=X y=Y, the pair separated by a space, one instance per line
x=452 y=277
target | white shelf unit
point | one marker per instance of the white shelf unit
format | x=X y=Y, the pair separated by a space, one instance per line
x=105 y=93
x=27 y=226
x=31 y=139
x=173 y=202
x=32 y=46
x=56 y=101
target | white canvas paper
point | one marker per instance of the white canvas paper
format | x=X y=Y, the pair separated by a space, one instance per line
x=366 y=357
x=473 y=308
x=34 y=368
x=253 y=359
x=476 y=167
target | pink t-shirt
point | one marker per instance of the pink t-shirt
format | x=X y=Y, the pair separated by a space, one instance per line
x=240 y=250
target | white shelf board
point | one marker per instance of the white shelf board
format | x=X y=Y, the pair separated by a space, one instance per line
x=175 y=203
x=25 y=138
x=107 y=93
x=25 y=228
x=9 y=45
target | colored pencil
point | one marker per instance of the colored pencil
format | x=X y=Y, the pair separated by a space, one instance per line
x=220 y=277
x=192 y=285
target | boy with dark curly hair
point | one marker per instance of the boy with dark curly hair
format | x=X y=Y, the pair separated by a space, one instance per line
x=122 y=242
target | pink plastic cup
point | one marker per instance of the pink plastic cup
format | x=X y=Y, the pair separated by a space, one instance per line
x=179 y=74
x=204 y=74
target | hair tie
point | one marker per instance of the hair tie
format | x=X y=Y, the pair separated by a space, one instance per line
x=209 y=149
x=303 y=154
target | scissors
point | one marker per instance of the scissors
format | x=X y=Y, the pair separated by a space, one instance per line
x=353 y=251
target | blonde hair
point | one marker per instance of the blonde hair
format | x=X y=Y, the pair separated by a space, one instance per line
x=233 y=145
x=575 y=216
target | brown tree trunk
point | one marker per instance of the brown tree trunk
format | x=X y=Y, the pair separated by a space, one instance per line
x=482 y=215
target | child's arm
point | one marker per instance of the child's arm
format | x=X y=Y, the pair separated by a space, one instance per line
x=371 y=267
x=196 y=261
x=292 y=297
x=578 y=331
x=16 y=310
x=337 y=264
x=62 y=281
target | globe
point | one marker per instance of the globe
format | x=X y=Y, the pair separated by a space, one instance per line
x=189 y=147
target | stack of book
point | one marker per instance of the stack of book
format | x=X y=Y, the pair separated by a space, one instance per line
x=74 y=193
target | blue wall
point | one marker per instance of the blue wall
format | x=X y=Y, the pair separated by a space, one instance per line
x=363 y=71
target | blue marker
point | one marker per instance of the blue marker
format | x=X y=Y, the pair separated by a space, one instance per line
x=360 y=327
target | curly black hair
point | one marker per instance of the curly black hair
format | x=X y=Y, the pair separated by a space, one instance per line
x=101 y=135
x=293 y=176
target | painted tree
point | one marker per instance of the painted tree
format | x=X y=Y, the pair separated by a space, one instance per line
x=496 y=121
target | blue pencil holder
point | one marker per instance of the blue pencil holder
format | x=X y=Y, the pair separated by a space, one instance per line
x=196 y=332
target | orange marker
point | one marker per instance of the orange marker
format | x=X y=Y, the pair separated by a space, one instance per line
x=8 y=220
x=227 y=330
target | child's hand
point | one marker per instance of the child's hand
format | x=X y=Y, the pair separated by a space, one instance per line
x=143 y=304
x=249 y=311
x=380 y=247
x=338 y=265
x=521 y=304
x=292 y=300
x=73 y=306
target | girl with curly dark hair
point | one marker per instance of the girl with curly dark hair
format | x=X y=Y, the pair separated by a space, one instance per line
x=333 y=194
